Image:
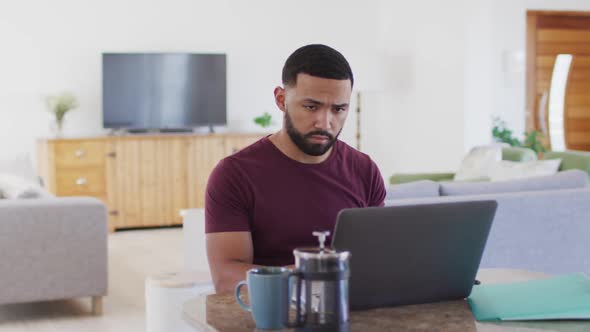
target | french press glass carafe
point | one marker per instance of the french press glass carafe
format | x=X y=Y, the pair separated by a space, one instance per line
x=322 y=286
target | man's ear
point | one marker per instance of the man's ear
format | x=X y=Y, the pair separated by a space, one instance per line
x=280 y=100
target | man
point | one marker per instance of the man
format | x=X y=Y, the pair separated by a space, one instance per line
x=267 y=199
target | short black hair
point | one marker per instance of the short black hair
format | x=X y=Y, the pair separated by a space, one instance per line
x=316 y=60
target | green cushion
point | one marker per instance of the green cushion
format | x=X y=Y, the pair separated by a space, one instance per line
x=571 y=159
x=404 y=178
x=518 y=154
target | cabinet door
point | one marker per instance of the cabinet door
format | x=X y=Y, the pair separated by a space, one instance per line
x=81 y=181
x=73 y=167
x=79 y=168
x=146 y=180
x=203 y=155
x=79 y=153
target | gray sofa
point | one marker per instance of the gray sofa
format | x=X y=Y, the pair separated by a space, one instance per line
x=53 y=248
x=541 y=224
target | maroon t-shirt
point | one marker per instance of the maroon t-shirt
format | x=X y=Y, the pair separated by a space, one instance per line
x=282 y=201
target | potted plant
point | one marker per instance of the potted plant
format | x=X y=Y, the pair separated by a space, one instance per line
x=59 y=106
x=532 y=140
x=264 y=120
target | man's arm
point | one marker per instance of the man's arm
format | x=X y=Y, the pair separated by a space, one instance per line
x=377 y=188
x=230 y=255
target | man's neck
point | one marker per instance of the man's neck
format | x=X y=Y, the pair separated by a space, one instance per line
x=284 y=143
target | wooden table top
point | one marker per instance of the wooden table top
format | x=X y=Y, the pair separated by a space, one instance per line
x=222 y=313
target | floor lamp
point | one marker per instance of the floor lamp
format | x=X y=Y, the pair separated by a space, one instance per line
x=375 y=74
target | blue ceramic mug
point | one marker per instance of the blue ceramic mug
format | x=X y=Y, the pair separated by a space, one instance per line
x=268 y=292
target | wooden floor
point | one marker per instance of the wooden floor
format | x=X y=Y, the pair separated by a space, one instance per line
x=133 y=255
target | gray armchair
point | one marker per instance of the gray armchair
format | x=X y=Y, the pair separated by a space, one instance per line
x=53 y=248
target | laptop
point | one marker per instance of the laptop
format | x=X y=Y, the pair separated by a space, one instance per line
x=413 y=254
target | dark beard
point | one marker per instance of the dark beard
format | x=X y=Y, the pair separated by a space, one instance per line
x=300 y=140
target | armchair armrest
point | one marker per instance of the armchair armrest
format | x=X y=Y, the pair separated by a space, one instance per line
x=571 y=159
x=410 y=177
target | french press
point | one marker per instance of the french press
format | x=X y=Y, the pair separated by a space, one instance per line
x=322 y=286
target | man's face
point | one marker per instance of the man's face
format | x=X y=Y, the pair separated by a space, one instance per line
x=315 y=111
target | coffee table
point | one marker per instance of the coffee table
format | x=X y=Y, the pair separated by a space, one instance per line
x=222 y=313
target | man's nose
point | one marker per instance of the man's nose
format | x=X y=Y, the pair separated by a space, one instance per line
x=323 y=120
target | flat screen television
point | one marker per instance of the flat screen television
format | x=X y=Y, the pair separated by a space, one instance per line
x=163 y=90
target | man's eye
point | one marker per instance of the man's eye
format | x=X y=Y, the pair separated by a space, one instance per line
x=340 y=109
x=310 y=107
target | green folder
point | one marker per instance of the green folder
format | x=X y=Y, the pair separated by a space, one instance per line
x=562 y=297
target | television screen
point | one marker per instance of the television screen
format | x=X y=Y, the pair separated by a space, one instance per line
x=158 y=91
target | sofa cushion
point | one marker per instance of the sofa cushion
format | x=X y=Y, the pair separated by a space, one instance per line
x=424 y=188
x=562 y=180
x=510 y=170
x=478 y=162
x=533 y=230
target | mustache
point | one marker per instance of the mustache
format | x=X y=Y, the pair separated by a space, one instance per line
x=319 y=133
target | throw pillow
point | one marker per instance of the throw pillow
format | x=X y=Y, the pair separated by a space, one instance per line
x=20 y=165
x=510 y=170
x=13 y=186
x=479 y=162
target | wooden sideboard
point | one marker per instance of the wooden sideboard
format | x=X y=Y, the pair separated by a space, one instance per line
x=145 y=180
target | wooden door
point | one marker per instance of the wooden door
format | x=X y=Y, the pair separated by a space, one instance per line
x=146 y=181
x=549 y=34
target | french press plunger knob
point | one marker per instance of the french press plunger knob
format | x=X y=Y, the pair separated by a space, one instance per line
x=321 y=238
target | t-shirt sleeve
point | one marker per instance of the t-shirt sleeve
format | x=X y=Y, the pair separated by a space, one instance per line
x=226 y=200
x=377 y=188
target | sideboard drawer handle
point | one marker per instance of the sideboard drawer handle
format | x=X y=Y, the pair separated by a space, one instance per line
x=81 y=181
x=80 y=153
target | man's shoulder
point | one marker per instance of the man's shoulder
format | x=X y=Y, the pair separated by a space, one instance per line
x=246 y=157
x=357 y=162
x=349 y=152
x=256 y=151
x=360 y=166
x=258 y=147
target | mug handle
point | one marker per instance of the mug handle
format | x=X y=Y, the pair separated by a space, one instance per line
x=298 y=317
x=242 y=304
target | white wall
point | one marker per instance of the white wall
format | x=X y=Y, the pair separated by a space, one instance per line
x=478 y=74
x=52 y=46
x=422 y=121
x=444 y=63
